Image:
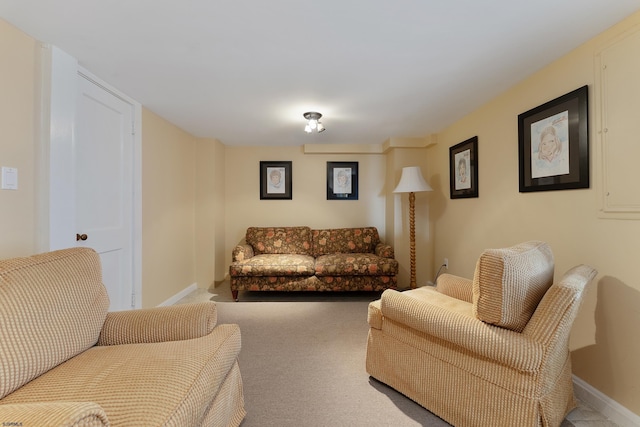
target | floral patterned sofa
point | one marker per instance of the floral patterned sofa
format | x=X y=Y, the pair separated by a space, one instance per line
x=302 y=259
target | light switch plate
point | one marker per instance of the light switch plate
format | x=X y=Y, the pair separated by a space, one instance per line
x=9 y=178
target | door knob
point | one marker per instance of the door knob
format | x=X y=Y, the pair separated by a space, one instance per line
x=81 y=237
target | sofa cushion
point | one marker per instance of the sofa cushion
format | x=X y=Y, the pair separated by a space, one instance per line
x=509 y=283
x=345 y=240
x=274 y=265
x=355 y=264
x=356 y=283
x=279 y=240
x=168 y=383
x=52 y=307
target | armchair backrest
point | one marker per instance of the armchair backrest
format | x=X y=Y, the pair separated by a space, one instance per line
x=52 y=307
x=509 y=283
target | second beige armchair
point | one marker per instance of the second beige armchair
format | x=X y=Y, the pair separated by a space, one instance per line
x=492 y=351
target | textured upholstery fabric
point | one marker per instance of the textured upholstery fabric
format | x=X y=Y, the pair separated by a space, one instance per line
x=355 y=264
x=157 y=384
x=55 y=414
x=160 y=324
x=345 y=240
x=431 y=347
x=53 y=306
x=458 y=287
x=340 y=259
x=509 y=283
x=279 y=240
x=168 y=366
x=274 y=265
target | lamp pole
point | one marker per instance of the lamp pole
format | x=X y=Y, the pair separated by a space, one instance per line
x=412 y=181
x=412 y=238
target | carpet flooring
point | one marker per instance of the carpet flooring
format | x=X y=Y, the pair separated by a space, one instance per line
x=302 y=363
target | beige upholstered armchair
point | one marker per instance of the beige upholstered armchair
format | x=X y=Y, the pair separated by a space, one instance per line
x=492 y=351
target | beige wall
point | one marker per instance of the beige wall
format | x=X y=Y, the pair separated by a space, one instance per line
x=604 y=339
x=210 y=212
x=17 y=124
x=168 y=209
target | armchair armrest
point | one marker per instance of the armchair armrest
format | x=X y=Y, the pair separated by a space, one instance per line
x=556 y=312
x=53 y=414
x=242 y=251
x=434 y=318
x=385 y=251
x=455 y=286
x=159 y=324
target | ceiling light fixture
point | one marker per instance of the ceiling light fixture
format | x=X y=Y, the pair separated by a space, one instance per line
x=313 y=123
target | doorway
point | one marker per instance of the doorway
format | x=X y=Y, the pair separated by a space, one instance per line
x=91 y=154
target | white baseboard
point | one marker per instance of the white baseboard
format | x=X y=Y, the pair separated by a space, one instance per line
x=177 y=297
x=604 y=404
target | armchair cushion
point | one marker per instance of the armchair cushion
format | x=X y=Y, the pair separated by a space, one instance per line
x=509 y=283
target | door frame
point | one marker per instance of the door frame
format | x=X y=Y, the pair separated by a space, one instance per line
x=55 y=198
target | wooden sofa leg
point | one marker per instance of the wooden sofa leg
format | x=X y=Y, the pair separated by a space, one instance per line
x=234 y=294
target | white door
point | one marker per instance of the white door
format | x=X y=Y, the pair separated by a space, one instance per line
x=88 y=168
x=104 y=152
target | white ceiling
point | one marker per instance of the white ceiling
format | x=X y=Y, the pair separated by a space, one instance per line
x=244 y=71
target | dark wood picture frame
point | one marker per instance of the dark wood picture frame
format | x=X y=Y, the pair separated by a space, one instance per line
x=275 y=180
x=553 y=144
x=342 y=180
x=463 y=169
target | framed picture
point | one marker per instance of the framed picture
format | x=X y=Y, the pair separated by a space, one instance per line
x=275 y=180
x=553 y=144
x=463 y=169
x=342 y=180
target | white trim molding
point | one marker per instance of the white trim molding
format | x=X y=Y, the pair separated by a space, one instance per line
x=604 y=404
x=177 y=297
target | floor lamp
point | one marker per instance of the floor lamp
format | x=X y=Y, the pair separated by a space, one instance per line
x=412 y=182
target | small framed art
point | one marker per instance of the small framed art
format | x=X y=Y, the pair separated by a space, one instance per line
x=463 y=169
x=342 y=180
x=553 y=144
x=275 y=180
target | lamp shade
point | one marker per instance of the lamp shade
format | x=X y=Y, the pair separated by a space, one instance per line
x=412 y=181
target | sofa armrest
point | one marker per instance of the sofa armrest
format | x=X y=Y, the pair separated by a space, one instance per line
x=53 y=414
x=385 y=251
x=455 y=286
x=242 y=251
x=159 y=324
x=434 y=318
